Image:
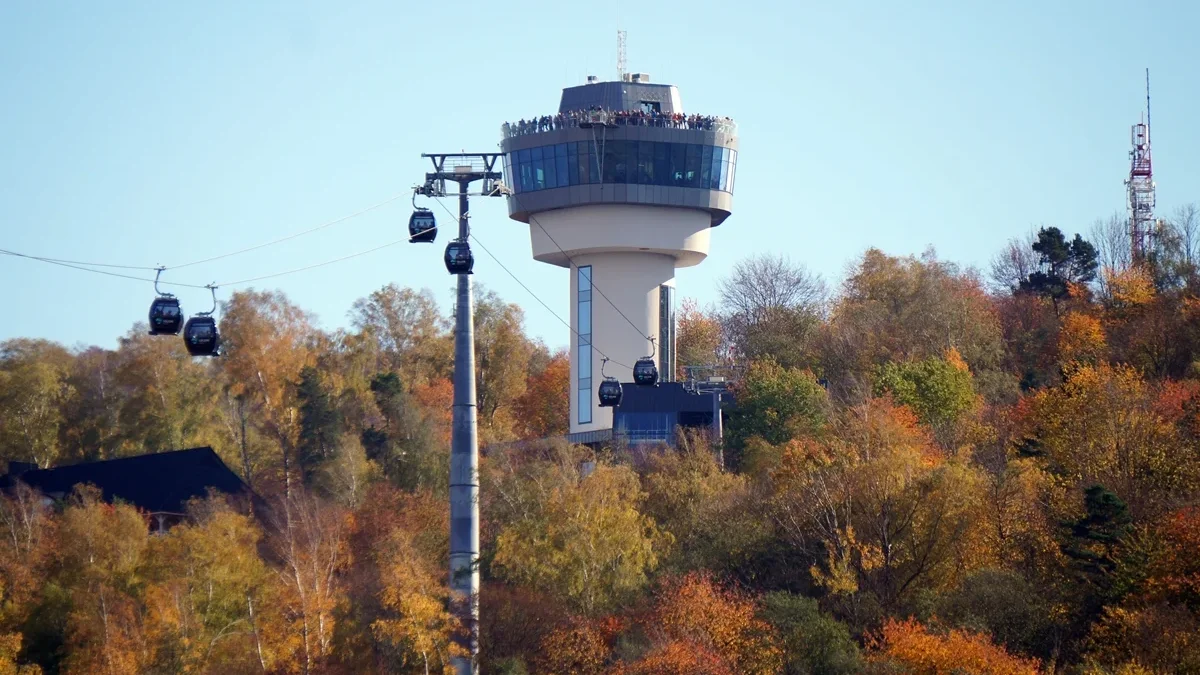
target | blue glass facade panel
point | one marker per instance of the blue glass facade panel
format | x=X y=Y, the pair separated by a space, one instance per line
x=560 y=163
x=583 y=286
x=622 y=162
x=691 y=177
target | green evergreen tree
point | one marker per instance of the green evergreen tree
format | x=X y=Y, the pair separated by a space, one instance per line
x=1062 y=263
x=320 y=422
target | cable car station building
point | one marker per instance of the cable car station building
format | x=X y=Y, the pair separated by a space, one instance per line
x=621 y=187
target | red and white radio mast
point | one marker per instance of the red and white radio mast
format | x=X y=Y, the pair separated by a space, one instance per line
x=1141 y=187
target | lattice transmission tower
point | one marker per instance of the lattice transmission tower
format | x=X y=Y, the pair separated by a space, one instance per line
x=1140 y=185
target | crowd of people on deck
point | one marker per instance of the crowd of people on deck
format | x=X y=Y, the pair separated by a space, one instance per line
x=644 y=118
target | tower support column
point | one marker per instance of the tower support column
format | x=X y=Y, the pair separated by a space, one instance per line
x=632 y=282
x=464 y=465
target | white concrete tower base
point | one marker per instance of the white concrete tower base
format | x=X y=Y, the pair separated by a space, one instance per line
x=631 y=251
x=631 y=281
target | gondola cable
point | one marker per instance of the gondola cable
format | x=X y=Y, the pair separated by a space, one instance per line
x=571 y=262
x=530 y=291
x=76 y=263
x=289 y=237
x=316 y=265
x=54 y=261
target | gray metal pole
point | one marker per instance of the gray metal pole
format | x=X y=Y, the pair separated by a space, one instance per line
x=718 y=429
x=464 y=467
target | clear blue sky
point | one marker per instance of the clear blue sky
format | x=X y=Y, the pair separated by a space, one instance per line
x=160 y=132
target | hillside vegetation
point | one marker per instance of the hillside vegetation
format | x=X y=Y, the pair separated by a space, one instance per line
x=926 y=472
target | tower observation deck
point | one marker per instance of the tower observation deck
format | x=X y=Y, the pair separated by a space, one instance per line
x=621 y=186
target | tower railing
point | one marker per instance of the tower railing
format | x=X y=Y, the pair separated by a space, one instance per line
x=618 y=118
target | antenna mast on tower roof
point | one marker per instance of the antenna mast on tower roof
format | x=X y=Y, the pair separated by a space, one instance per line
x=621 y=55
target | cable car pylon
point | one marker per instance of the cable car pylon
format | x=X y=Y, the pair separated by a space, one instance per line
x=464 y=168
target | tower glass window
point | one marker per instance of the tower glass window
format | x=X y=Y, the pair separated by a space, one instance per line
x=632 y=162
x=666 y=333
x=584 y=362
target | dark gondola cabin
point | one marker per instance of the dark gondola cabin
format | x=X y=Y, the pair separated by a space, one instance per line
x=645 y=373
x=201 y=337
x=458 y=258
x=422 y=227
x=166 y=317
x=610 y=393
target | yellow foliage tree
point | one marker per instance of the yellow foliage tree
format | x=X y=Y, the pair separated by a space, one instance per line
x=1081 y=339
x=10 y=647
x=103 y=548
x=1129 y=288
x=888 y=509
x=310 y=544
x=415 y=593
x=710 y=512
x=208 y=594
x=1015 y=527
x=588 y=543
x=699 y=341
x=1102 y=426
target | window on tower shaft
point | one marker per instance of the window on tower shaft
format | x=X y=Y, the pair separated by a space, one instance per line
x=584 y=348
x=666 y=333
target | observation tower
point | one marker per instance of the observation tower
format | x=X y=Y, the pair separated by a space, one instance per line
x=621 y=186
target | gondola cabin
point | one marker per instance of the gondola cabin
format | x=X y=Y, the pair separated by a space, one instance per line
x=610 y=393
x=645 y=373
x=166 y=316
x=200 y=336
x=458 y=258
x=422 y=227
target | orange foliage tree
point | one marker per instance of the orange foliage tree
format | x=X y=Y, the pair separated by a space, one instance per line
x=697 y=610
x=1175 y=573
x=581 y=646
x=437 y=399
x=677 y=658
x=543 y=409
x=920 y=651
x=266 y=341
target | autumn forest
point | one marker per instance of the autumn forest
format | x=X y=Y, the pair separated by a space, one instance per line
x=927 y=468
